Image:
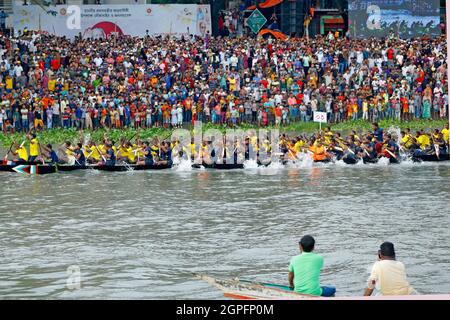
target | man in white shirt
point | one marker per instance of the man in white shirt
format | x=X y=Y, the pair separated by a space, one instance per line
x=18 y=69
x=98 y=61
x=388 y=275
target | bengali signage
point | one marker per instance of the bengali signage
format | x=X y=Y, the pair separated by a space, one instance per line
x=101 y=21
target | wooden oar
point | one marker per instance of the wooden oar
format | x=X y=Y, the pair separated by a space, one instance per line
x=436 y=148
x=10 y=148
x=393 y=155
x=103 y=157
x=40 y=152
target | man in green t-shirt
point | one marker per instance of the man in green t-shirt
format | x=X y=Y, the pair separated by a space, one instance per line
x=304 y=271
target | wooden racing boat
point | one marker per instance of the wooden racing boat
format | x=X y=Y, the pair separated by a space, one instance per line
x=219 y=166
x=29 y=169
x=130 y=167
x=352 y=160
x=431 y=157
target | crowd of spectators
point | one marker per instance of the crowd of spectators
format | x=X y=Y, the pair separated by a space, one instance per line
x=48 y=81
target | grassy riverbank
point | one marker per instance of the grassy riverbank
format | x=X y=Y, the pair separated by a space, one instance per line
x=57 y=136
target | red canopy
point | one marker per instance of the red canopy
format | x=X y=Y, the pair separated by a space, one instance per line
x=266 y=4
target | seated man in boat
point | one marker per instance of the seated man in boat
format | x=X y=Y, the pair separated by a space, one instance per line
x=148 y=157
x=335 y=149
x=165 y=155
x=93 y=155
x=21 y=153
x=304 y=271
x=69 y=153
x=423 y=140
x=390 y=148
x=319 y=152
x=50 y=154
x=439 y=145
x=109 y=158
x=370 y=154
x=445 y=134
x=80 y=159
x=388 y=275
x=408 y=141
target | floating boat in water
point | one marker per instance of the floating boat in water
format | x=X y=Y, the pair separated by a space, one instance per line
x=219 y=166
x=431 y=157
x=251 y=290
x=244 y=289
x=116 y=168
x=130 y=167
x=29 y=169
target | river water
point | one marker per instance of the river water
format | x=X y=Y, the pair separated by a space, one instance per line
x=142 y=234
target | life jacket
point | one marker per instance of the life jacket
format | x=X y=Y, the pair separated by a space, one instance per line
x=318 y=153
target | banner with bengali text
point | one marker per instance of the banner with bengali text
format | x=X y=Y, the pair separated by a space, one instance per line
x=100 y=21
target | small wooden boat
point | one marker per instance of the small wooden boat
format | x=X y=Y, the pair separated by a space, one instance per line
x=431 y=157
x=251 y=290
x=219 y=166
x=244 y=289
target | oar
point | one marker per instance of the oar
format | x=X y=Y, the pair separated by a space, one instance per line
x=393 y=155
x=292 y=154
x=436 y=148
x=10 y=148
x=40 y=151
x=104 y=159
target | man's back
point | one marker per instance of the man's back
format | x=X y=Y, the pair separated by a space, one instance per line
x=306 y=268
x=390 y=278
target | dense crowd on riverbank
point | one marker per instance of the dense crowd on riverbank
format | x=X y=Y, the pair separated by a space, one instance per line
x=47 y=81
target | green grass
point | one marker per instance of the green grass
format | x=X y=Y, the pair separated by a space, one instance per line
x=57 y=136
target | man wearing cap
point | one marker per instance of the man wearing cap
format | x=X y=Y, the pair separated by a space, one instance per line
x=388 y=275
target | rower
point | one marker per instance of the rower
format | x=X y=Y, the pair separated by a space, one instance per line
x=388 y=275
x=369 y=150
x=304 y=271
x=439 y=144
x=408 y=140
x=155 y=150
x=80 y=159
x=445 y=134
x=148 y=157
x=93 y=155
x=335 y=149
x=51 y=154
x=34 y=147
x=424 y=142
x=109 y=158
x=69 y=153
x=391 y=149
x=319 y=152
x=21 y=152
x=377 y=132
x=165 y=154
